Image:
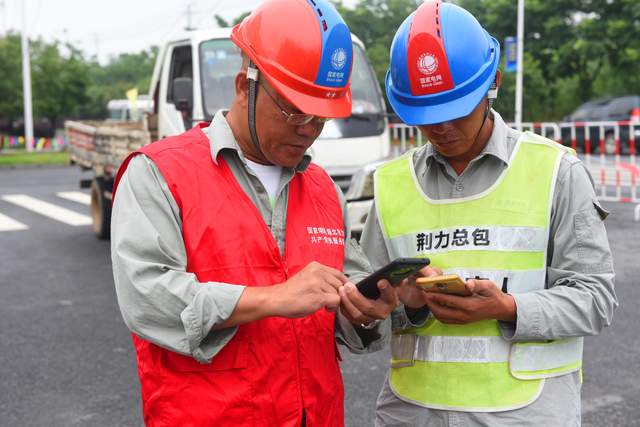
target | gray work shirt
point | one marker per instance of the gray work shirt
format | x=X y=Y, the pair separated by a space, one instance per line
x=162 y=302
x=579 y=298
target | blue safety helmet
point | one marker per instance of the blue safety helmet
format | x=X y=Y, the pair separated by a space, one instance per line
x=442 y=64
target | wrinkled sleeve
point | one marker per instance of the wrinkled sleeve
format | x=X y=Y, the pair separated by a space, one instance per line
x=159 y=300
x=357 y=267
x=580 y=298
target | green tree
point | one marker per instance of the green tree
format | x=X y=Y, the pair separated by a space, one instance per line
x=113 y=80
x=375 y=22
x=59 y=82
x=64 y=83
x=10 y=77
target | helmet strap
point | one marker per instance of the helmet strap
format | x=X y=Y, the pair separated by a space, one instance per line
x=252 y=76
x=484 y=119
x=492 y=94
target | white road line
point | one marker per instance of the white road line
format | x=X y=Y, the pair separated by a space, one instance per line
x=75 y=196
x=10 y=224
x=48 y=209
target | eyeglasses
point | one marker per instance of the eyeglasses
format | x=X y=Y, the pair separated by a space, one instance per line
x=295 y=119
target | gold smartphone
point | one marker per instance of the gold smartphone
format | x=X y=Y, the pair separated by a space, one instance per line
x=448 y=284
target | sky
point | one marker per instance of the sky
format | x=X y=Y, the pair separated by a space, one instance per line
x=108 y=27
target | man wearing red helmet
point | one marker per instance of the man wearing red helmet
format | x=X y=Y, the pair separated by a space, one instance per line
x=229 y=246
x=513 y=213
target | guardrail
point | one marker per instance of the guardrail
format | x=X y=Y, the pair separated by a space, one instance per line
x=608 y=150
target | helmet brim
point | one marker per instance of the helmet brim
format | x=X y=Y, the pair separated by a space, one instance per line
x=308 y=104
x=416 y=115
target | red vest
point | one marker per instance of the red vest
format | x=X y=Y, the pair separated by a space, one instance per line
x=273 y=368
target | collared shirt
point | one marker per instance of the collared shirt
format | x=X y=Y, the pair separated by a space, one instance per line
x=580 y=297
x=163 y=303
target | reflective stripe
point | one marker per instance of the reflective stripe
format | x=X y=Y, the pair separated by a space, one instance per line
x=403 y=347
x=467 y=349
x=491 y=238
x=518 y=281
x=543 y=356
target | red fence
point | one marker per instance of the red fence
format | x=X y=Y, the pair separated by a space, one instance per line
x=608 y=149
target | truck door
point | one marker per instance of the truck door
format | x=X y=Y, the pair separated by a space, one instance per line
x=178 y=64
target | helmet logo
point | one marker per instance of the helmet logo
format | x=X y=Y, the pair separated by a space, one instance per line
x=339 y=58
x=330 y=94
x=427 y=64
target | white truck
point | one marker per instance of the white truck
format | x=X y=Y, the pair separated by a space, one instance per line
x=192 y=79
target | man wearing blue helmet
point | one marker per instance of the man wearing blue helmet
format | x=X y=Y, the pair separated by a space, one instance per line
x=512 y=213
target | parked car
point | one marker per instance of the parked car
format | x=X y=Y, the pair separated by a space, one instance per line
x=598 y=119
x=124 y=110
x=42 y=127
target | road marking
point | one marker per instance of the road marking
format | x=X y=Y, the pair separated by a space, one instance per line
x=593 y=404
x=48 y=209
x=10 y=224
x=75 y=196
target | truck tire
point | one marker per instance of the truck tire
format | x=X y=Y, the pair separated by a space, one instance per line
x=101 y=208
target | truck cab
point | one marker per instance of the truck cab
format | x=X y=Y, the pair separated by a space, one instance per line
x=194 y=78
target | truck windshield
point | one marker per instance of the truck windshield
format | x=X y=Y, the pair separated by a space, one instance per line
x=220 y=61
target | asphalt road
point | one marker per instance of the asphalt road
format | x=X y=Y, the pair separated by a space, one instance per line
x=66 y=357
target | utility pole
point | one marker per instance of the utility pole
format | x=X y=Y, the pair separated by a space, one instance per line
x=96 y=44
x=26 y=82
x=3 y=12
x=519 y=72
x=188 y=27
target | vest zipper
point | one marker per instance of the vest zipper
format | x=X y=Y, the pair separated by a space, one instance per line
x=285 y=270
x=298 y=376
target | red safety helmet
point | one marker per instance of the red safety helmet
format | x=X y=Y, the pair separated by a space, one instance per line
x=304 y=49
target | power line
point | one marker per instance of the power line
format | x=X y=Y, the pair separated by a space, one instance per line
x=26 y=82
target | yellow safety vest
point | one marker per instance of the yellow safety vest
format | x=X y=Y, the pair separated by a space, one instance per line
x=500 y=234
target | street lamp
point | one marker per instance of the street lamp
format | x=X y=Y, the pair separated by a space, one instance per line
x=519 y=49
x=26 y=82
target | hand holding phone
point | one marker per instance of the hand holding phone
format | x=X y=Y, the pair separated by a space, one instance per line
x=396 y=271
x=448 y=284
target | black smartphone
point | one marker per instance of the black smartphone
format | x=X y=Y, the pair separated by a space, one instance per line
x=394 y=272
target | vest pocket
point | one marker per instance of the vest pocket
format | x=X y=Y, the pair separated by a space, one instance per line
x=232 y=356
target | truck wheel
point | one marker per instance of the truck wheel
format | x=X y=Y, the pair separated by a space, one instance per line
x=100 y=209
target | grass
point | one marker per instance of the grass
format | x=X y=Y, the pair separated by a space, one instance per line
x=9 y=159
